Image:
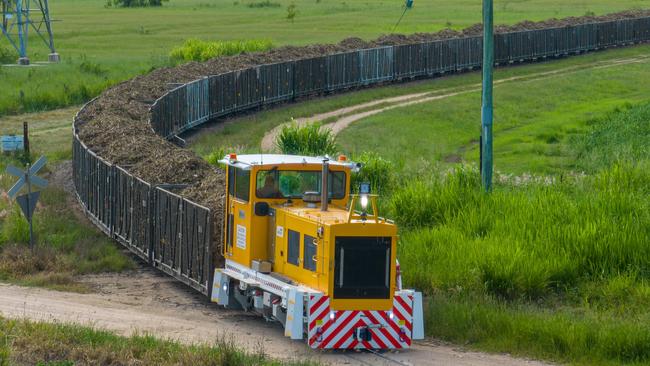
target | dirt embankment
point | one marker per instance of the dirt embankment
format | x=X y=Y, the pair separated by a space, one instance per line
x=116 y=125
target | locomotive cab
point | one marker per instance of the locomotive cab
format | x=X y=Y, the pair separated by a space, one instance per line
x=298 y=251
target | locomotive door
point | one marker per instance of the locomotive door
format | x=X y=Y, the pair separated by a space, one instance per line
x=237 y=212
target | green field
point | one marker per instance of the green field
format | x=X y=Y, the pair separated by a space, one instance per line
x=100 y=46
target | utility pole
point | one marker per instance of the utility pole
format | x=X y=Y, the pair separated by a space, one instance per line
x=487 y=109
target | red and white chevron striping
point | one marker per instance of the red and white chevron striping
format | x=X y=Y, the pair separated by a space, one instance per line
x=336 y=329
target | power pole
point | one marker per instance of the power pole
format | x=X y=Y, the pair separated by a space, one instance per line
x=18 y=17
x=487 y=109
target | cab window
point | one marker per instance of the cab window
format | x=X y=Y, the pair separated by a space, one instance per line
x=239 y=181
x=293 y=183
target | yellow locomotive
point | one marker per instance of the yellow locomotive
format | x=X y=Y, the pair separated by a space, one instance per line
x=301 y=250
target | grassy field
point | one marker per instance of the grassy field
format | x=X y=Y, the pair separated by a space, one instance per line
x=551 y=269
x=100 y=46
x=533 y=120
x=33 y=343
x=67 y=245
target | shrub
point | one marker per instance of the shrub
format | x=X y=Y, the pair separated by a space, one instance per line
x=198 y=50
x=7 y=55
x=263 y=4
x=377 y=171
x=308 y=140
x=292 y=12
x=135 y=3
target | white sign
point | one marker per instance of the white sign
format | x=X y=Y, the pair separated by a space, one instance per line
x=279 y=232
x=241 y=237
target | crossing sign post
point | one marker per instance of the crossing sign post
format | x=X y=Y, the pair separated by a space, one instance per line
x=27 y=202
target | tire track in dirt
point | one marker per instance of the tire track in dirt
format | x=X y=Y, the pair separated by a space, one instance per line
x=145 y=301
x=346 y=116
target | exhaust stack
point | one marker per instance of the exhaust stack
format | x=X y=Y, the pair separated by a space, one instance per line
x=324 y=185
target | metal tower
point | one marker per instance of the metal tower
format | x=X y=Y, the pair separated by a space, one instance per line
x=18 y=16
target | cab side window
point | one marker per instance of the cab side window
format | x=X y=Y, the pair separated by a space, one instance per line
x=239 y=181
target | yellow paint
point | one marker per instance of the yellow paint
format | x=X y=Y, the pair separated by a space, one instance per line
x=337 y=221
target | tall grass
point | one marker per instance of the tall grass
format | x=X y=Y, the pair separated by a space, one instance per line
x=199 y=50
x=526 y=242
x=60 y=344
x=306 y=140
x=65 y=247
x=622 y=135
x=554 y=267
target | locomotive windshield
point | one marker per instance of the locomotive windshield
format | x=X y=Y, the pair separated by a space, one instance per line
x=362 y=268
x=293 y=183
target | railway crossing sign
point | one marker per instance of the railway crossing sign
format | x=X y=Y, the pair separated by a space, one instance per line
x=27 y=202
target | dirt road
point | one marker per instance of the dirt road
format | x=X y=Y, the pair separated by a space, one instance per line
x=342 y=118
x=146 y=301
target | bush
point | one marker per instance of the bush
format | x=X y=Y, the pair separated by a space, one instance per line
x=264 y=4
x=198 y=50
x=8 y=55
x=309 y=140
x=377 y=171
x=135 y=3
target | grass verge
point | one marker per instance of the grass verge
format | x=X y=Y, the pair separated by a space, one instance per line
x=36 y=343
x=67 y=245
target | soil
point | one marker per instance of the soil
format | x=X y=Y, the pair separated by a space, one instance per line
x=147 y=301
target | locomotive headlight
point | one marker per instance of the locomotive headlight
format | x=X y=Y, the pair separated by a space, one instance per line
x=364 y=202
x=391 y=315
x=332 y=316
x=225 y=287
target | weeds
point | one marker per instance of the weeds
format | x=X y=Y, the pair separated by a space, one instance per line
x=60 y=344
x=309 y=140
x=198 y=50
x=64 y=246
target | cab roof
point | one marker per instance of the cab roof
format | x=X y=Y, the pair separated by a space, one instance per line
x=248 y=160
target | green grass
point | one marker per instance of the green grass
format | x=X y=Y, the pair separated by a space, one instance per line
x=38 y=343
x=198 y=50
x=67 y=244
x=533 y=120
x=118 y=43
x=554 y=268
